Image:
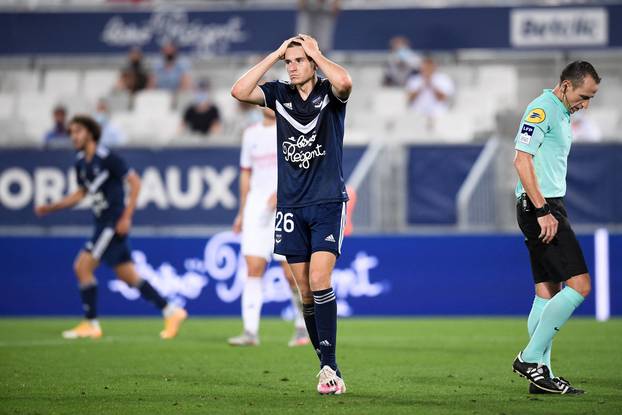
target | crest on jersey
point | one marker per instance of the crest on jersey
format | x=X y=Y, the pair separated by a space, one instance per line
x=536 y=116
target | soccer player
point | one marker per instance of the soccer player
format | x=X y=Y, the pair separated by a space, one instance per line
x=101 y=174
x=255 y=220
x=542 y=146
x=311 y=194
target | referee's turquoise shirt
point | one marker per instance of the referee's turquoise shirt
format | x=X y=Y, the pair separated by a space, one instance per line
x=545 y=133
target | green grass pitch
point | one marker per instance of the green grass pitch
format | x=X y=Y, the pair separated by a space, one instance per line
x=391 y=366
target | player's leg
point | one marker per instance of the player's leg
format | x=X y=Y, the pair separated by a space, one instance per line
x=300 y=337
x=252 y=301
x=326 y=237
x=300 y=271
x=173 y=315
x=84 y=267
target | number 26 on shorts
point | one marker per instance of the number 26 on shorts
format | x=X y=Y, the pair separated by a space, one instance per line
x=286 y=220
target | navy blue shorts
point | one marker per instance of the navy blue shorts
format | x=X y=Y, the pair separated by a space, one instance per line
x=108 y=247
x=299 y=232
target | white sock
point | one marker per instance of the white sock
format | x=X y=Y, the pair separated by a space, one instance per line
x=252 y=300
x=299 y=321
x=94 y=323
x=168 y=310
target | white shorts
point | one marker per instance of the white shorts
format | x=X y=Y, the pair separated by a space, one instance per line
x=258 y=230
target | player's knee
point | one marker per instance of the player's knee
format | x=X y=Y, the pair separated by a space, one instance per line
x=306 y=295
x=319 y=280
x=581 y=284
x=78 y=267
x=255 y=271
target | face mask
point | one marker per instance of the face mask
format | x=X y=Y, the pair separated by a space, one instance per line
x=101 y=118
x=201 y=98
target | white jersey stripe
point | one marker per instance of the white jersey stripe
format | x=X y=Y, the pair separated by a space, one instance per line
x=303 y=128
x=98 y=181
x=102 y=243
x=343 y=226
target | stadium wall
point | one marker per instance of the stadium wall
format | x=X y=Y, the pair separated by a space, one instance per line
x=244 y=31
x=376 y=275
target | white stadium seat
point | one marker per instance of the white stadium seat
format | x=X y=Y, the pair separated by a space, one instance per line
x=62 y=82
x=20 y=81
x=153 y=102
x=7 y=105
x=98 y=83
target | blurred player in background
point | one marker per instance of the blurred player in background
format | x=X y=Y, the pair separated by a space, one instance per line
x=255 y=220
x=311 y=195
x=101 y=174
x=542 y=147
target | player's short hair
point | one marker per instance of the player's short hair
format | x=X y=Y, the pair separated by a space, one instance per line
x=89 y=123
x=576 y=71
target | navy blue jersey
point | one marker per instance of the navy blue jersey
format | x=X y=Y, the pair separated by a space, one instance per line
x=310 y=143
x=102 y=177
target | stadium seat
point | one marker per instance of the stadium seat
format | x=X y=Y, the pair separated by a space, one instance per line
x=389 y=102
x=99 y=83
x=7 y=105
x=412 y=128
x=62 y=82
x=153 y=102
x=454 y=127
x=35 y=110
x=20 y=81
x=607 y=119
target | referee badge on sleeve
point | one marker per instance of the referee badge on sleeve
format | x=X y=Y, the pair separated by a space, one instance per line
x=525 y=134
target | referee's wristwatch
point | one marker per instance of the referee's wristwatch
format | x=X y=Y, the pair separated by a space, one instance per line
x=543 y=211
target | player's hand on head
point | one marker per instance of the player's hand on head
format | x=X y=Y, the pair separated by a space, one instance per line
x=123 y=226
x=281 y=50
x=309 y=44
x=548 y=228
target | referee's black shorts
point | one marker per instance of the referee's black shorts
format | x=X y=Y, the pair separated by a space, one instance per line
x=558 y=260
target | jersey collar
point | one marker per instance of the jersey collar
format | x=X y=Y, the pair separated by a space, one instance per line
x=557 y=101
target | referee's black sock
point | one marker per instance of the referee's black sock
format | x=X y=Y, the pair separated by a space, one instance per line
x=150 y=294
x=88 y=294
x=326 y=320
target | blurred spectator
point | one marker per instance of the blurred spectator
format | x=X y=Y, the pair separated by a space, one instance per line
x=171 y=72
x=59 y=133
x=317 y=18
x=202 y=116
x=429 y=91
x=402 y=63
x=134 y=76
x=111 y=135
x=584 y=129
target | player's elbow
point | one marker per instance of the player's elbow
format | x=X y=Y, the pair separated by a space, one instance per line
x=236 y=92
x=344 y=84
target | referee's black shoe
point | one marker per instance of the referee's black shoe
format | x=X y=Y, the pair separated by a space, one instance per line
x=567 y=388
x=537 y=374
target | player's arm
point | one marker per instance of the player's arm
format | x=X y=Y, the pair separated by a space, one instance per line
x=246 y=88
x=336 y=74
x=523 y=162
x=125 y=221
x=245 y=186
x=68 y=201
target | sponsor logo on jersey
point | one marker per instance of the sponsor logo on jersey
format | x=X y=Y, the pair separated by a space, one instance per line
x=525 y=134
x=536 y=116
x=330 y=238
x=288 y=105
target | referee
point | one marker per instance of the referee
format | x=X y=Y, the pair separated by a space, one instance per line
x=542 y=146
